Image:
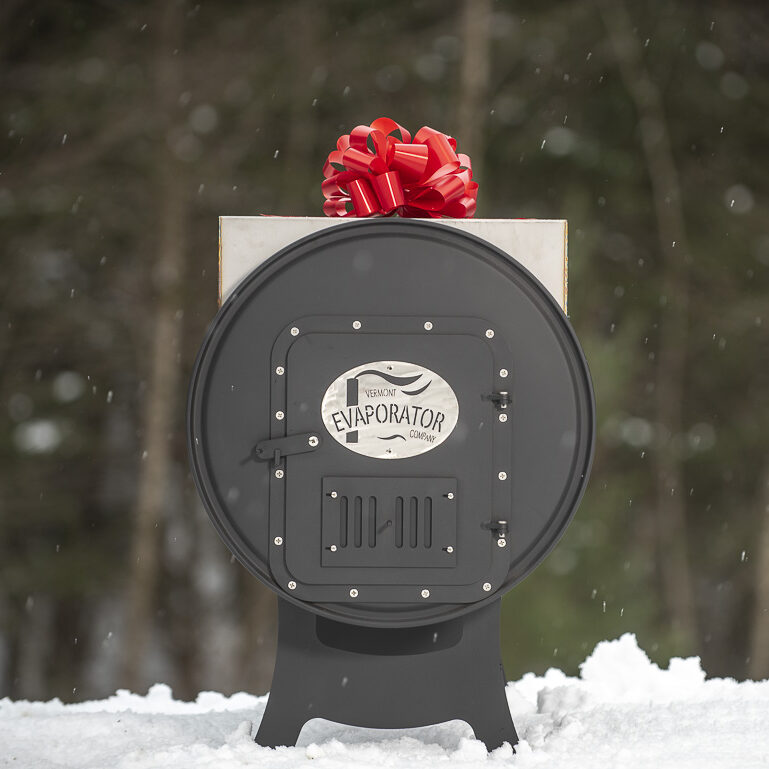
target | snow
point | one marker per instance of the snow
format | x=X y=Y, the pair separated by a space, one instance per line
x=622 y=711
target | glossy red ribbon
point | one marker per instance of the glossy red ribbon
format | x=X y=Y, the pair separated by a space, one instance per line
x=373 y=172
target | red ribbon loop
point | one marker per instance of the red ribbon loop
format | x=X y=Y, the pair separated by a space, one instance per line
x=379 y=170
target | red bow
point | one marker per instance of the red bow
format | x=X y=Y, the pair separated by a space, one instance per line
x=371 y=172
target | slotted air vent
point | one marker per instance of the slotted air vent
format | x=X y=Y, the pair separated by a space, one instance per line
x=389 y=522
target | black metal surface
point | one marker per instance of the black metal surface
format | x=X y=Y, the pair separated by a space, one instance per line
x=295 y=314
x=459 y=350
x=389 y=678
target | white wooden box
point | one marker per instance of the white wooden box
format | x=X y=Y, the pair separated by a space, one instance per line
x=538 y=244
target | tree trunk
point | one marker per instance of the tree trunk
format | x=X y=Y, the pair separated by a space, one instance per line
x=673 y=328
x=35 y=646
x=758 y=667
x=474 y=81
x=219 y=630
x=258 y=640
x=161 y=398
x=259 y=636
x=299 y=185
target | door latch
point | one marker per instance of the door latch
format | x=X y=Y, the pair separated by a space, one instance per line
x=276 y=449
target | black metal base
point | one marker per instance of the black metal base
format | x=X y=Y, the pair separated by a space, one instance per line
x=388 y=678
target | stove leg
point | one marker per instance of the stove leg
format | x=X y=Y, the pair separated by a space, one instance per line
x=280 y=724
x=387 y=678
x=493 y=727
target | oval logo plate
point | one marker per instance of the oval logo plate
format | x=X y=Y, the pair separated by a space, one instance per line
x=390 y=409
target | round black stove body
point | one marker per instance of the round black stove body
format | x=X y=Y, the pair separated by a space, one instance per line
x=390 y=423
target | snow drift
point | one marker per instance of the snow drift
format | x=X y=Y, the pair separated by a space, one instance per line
x=623 y=711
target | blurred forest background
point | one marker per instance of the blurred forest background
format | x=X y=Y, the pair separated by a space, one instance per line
x=128 y=127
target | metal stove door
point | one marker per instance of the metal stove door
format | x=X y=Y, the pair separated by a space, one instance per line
x=397 y=489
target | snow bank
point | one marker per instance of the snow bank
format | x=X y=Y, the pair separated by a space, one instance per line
x=623 y=711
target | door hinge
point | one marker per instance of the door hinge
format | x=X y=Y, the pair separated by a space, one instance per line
x=275 y=449
x=500 y=399
x=498 y=528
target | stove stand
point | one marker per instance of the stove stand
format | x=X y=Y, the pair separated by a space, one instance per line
x=388 y=678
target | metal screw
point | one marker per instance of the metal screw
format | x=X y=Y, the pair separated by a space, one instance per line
x=425 y=593
x=294 y=331
x=428 y=326
x=353 y=593
x=292 y=585
x=501 y=542
x=280 y=371
x=279 y=415
x=278 y=541
x=449 y=549
x=313 y=440
x=503 y=417
x=333 y=495
x=333 y=548
x=489 y=333
x=356 y=324
x=450 y=495
x=487 y=586
x=502 y=476
x=503 y=372
x=278 y=473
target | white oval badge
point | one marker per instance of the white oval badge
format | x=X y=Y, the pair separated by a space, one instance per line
x=390 y=409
